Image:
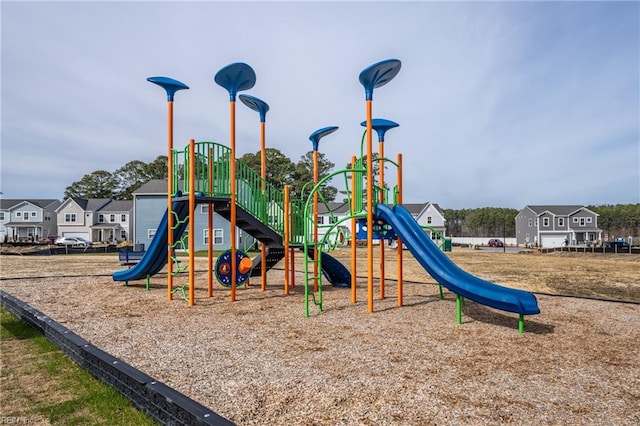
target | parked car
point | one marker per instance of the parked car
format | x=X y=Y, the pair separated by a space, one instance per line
x=495 y=243
x=618 y=245
x=50 y=240
x=73 y=242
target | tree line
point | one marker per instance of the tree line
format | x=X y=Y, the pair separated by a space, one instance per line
x=618 y=219
x=123 y=182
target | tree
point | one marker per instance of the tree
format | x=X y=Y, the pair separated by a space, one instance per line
x=99 y=184
x=303 y=177
x=280 y=169
x=136 y=173
x=129 y=178
x=158 y=168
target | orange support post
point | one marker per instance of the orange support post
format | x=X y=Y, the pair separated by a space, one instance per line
x=369 y=208
x=354 y=254
x=315 y=222
x=381 y=165
x=399 y=201
x=232 y=106
x=170 y=205
x=192 y=225
x=286 y=239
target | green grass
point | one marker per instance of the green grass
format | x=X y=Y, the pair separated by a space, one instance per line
x=40 y=381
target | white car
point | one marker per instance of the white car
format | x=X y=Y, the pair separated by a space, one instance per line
x=73 y=242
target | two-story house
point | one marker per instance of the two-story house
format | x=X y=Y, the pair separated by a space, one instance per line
x=431 y=218
x=553 y=226
x=27 y=220
x=95 y=219
x=149 y=206
x=113 y=222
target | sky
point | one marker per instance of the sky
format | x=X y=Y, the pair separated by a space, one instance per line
x=500 y=104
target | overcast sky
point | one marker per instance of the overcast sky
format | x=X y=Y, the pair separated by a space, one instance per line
x=499 y=104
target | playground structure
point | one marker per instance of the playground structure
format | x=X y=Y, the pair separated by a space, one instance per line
x=209 y=173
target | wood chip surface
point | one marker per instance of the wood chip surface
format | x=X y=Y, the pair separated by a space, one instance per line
x=259 y=360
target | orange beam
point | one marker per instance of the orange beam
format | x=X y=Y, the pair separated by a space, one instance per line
x=315 y=221
x=232 y=106
x=286 y=239
x=263 y=174
x=170 y=204
x=354 y=254
x=369 y=209
x=192 y=224
x=400 y=272
x=381 y=163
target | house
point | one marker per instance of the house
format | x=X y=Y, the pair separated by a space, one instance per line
x=431 y=218
x=95 y=219
x=114 y=222
x=330 y=213
x=27 y=220
x=550 y=226
x=150 y=205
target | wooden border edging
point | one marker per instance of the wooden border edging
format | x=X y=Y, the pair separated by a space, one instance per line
x=157 y=400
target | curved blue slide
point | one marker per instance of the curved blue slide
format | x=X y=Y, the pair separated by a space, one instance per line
x=336 y=273
x=156 y=256
x=447 y=273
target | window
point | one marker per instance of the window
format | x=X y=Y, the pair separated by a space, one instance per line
x=589 y=219
x=33 y=214
x=123 y=218
x=545 y=221
x=101 y=218
x=1 y=215
x=18 y=214
x=70 y=217
x=204 y=208
x=217 y=237
x=25 y=216
x=530 y=222
x=151 y=233
x=123 y=234
x=575 y=220
x=535 y=222
x=582 y=221
x=561 y=221
x=47 y=215
x=112 y=218
x=428 y=220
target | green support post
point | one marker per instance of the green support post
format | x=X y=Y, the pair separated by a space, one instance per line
x=459 y=304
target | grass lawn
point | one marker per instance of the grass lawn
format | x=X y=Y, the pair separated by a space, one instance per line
x=41 y=385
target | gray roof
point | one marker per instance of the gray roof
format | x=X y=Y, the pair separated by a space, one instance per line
x=118 y=206
x=91 y=204
x=6 y=204
x=414 y=208
x=156 y=187
x=556 y=210
x=336 y=208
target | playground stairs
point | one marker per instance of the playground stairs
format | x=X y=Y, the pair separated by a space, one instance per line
x=258 y=230
x=274 y=255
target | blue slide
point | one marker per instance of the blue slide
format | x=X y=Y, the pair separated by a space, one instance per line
x=336 y=273
x=156 y=256
x=448 y=273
